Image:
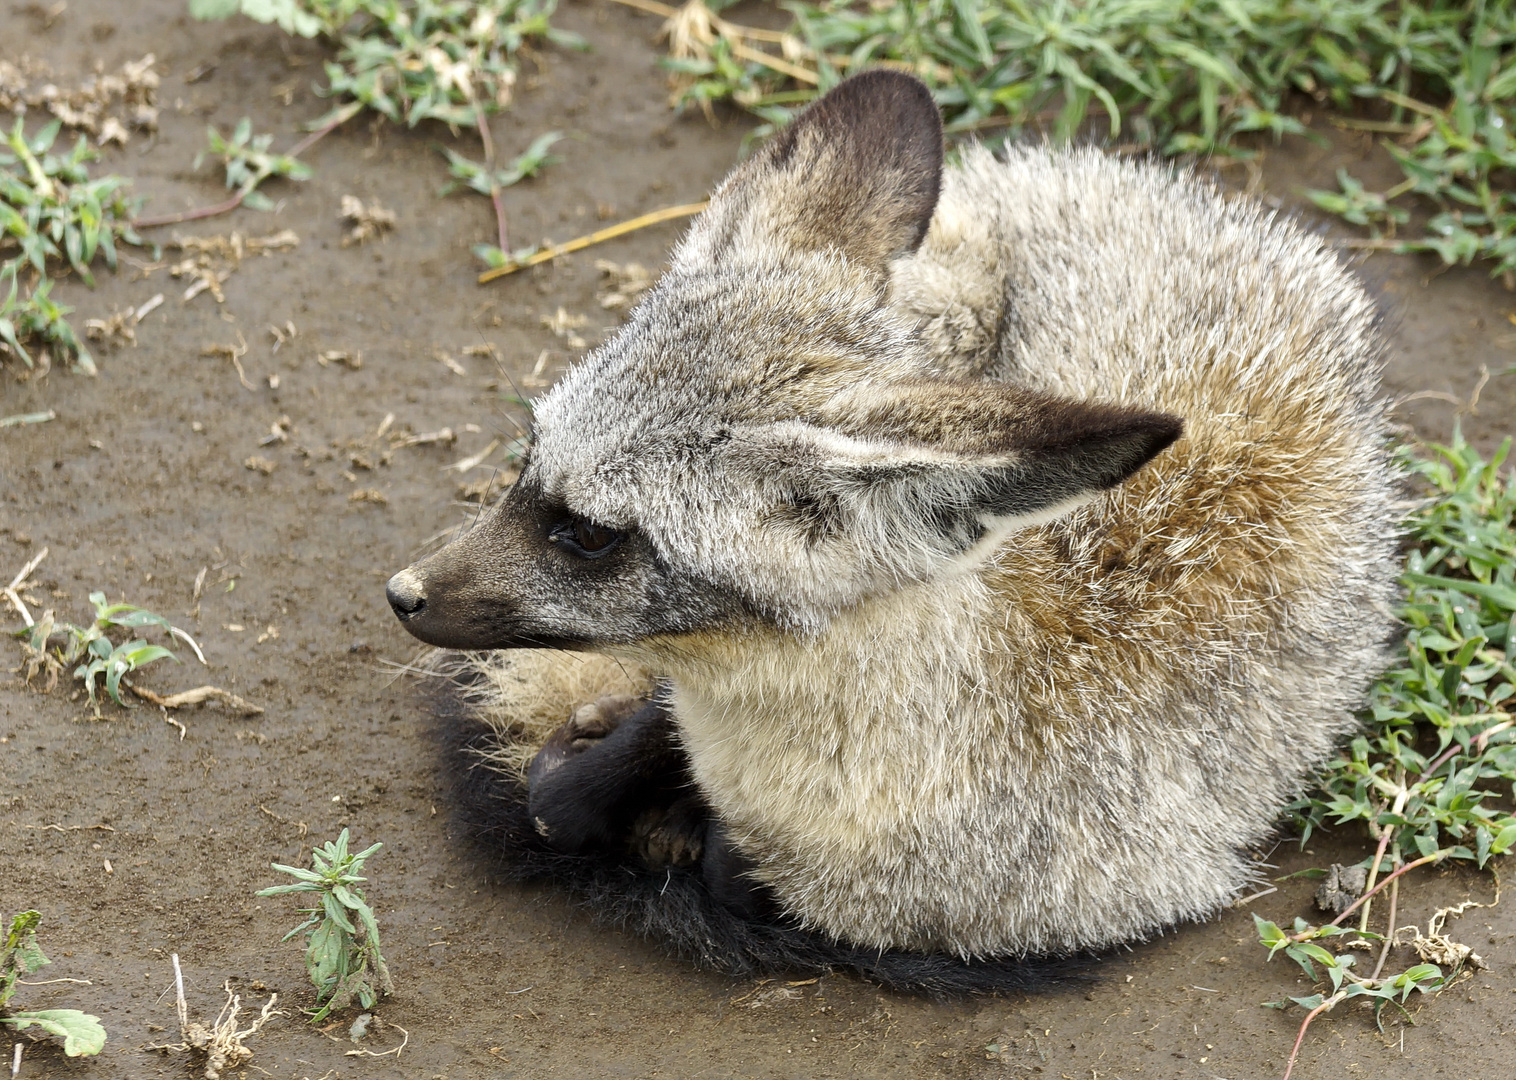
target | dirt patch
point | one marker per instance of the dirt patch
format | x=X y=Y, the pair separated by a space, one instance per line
x=144 y=480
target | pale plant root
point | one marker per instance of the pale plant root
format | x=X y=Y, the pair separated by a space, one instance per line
x=523 y=695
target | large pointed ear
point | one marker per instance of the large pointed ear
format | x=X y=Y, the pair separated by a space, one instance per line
x=858 y=172
x=919 y=473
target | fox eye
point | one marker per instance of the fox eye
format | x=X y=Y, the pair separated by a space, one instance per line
x=584 y=538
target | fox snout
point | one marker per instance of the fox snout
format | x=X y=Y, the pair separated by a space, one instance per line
x=532 y=574
x=442 y=604
x=406 y=592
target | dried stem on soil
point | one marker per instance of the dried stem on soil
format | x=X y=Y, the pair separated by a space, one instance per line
x=195 y=697
x=12 y=592
x=404 y=1042
x=668 y=213
x=21 y=419
x=502 y=227
x=1389 y=939
x=695 y=23
x=1295 y=1051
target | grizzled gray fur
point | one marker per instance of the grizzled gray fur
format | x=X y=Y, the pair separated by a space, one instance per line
x=1015 y=538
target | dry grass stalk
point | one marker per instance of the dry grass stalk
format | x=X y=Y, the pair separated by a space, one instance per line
x=1437 y=947
x=552 y=251
x=566 y=327
x=119 y=326
x=353 y=361
x=234 y=353
x=212 y=259
x=623 y=285
x=12 y=592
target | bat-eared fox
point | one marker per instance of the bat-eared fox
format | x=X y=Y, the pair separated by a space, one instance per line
x=942 y=571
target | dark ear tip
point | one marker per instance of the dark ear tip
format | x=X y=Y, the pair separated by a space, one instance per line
x=884 y=80
x=1164 y=430
x=898 y=94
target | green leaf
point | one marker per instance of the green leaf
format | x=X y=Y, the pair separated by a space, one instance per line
x=1502 y=595
x=284 y=890
x=335 y=912
x=136 y=618
x=214 y=9
x=81 y=1033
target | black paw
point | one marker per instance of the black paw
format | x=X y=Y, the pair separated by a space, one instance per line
x=672 y=835
x=585 y=729
x=589 y=767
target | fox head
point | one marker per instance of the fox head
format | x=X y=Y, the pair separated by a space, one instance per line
x=765 y=441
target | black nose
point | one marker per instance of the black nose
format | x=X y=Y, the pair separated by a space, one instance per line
x=406 y=594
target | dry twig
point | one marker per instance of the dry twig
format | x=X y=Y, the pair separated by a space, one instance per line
x=12 y=592
x=552 y=251
x=196 y=696
x=369 y=222
x=234 y=353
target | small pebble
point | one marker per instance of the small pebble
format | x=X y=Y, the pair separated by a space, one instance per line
x=360 y=1026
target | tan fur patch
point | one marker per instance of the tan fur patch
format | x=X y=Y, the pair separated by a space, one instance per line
x=525 y=694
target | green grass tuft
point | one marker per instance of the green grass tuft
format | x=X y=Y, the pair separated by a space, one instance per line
x=51 y=210
x=1438 y=79
x=1439 y=743
x=1437 y=755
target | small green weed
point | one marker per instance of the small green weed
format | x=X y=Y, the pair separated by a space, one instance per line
x=488 y=181
x=414 y=60
x=91 y=648
x=50 y=210
x=1438 y=751
x=248 y=163
x=1440 y=735
x=37 y=317
x=20 y=955
x=1438 y=78
x=342 y=960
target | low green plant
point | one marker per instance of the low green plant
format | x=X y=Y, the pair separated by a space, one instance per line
x=413 y=60
x=20 y=955
x=292 y=16
x=51 y=210
x=249 y=163
x=37 y=317
x=342 y=953
x=1437 y=755
x=487 y=181
x=52 y=647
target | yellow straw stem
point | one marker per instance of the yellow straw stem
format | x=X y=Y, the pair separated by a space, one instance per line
x=668 y=213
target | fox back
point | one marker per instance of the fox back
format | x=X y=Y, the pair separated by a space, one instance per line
x=1015 y=537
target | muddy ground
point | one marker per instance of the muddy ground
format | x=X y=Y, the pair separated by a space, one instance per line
x=136 y=842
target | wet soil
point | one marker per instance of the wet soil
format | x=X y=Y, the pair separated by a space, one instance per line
x=136 y=842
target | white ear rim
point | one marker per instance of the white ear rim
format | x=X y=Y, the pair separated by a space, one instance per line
x=831 y=446
x=997 y=530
